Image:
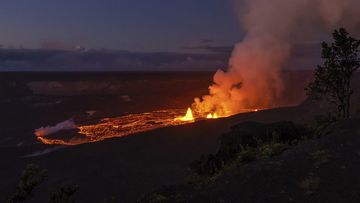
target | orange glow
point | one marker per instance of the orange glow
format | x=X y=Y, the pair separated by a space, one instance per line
x=49 y=141
x=188 y=117
x=120 y=126
x=128 y=125
x=212 y=116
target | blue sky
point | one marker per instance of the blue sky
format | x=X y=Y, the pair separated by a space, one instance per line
x=134 y=25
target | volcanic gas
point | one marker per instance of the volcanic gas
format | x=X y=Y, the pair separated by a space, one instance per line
x=253 y=78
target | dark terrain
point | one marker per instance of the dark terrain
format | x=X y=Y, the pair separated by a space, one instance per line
x=129 y=167
x=316 y=170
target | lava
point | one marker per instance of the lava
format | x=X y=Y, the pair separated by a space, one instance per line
x=212 y=116
x=119 y=127
x=188 y=117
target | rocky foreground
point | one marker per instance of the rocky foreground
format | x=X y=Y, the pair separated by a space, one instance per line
x=324 y=169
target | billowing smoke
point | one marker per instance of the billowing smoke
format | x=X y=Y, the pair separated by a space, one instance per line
x=253 y=78
x=65 y=125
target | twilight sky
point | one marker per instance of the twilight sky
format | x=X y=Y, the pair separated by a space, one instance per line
x=134 y=25
x=118 y=35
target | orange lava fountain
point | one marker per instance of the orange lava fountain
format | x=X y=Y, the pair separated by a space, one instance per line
x=188 y=117
x=212 y=116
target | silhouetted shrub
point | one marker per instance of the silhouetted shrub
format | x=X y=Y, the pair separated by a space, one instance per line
x=31 y=177
x=323 y=122
x=249 y=141
x=271 y=149
x=247 y=154
x=64 y=194
x=310 y=184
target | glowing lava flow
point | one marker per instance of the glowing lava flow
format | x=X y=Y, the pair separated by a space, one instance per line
x=115 y=127
x=118 y=126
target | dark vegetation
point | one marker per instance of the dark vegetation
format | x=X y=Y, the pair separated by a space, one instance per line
x=31 y=177
x=250 y=141
x=64 y=194
x=246 y=143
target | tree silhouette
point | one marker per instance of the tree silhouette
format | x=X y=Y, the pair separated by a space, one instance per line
x=333 y=78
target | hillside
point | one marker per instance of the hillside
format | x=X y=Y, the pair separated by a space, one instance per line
x=316 y=170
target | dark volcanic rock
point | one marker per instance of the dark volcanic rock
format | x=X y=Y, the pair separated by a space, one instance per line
x=317 y=170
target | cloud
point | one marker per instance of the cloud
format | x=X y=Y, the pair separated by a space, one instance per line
x=211 y=49
x=55 y=45
x=207 y=41
x=105 y=60
x=198 y=58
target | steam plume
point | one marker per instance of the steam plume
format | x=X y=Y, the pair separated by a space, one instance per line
x=65 y=125
x=253 y=78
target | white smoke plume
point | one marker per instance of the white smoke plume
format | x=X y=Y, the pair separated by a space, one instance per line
x=253 y=78
x=46 y=151
x=48 y=130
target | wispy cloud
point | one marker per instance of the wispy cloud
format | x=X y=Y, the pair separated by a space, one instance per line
x=207 y=41
x=196 y=58
x=211 y=48
x=105 y=60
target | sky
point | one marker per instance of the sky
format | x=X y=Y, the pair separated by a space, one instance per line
x=122 y=35
x=133 y=25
